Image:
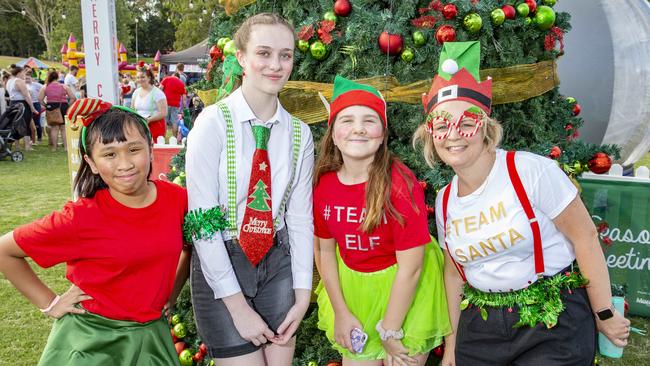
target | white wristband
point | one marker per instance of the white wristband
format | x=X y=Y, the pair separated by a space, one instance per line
x=387 y=334
x=52 y=304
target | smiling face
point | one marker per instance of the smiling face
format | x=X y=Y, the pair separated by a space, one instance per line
x=267 y=59
x=358 y=132
x=123 y=166
x=456 y=150
x=142 y=79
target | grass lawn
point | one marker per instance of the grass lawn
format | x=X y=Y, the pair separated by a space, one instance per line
x=40 y=184
x=6 y=61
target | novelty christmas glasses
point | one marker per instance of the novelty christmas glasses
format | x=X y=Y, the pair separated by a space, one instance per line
x=440 y=123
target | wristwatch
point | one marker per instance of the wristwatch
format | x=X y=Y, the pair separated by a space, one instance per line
x=605 y=313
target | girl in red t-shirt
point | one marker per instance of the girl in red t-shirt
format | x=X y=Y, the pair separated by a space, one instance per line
x=381 y=273
x=121 y=242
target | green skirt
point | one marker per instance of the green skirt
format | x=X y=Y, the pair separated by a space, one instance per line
x=367 y=295
x=90 y=339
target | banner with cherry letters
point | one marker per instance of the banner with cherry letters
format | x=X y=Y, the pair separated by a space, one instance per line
x=621 y=210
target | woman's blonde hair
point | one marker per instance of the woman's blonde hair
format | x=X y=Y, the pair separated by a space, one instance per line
x=244 y=31
x=379 y=184
x=492 y=134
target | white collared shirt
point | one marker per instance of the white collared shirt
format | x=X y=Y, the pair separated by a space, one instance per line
x=207 y=186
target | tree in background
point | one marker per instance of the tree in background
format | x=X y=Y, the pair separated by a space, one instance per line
x=191 y=19
x=397 y=45
x=23 y=39
x=41 y=14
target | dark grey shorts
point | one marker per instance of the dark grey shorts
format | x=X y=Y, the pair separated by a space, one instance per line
x=494 y=342
x=268 y=289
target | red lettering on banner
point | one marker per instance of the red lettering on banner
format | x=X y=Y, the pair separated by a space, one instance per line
x=94 y=7
x=99 y=91
x=96 y=39
x=95 y=26
x=97 y=57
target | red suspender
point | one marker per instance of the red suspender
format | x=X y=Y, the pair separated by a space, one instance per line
x=445 y=201
x=525 y=203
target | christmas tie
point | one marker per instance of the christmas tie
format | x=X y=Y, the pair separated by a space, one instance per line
x=256 y=235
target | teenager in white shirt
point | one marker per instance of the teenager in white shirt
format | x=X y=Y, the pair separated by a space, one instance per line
x=244 y=298
x=512 y=225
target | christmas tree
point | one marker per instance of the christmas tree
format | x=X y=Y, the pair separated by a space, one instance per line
x=259 y=197
x=395 y=45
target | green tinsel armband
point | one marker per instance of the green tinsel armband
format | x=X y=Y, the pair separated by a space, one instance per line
x=539 y=302
x=203 y=224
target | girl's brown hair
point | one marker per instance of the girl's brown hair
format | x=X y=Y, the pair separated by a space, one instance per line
x=52 y=76
x=107 y=128
x=379 y=185
x=147 y=71
x=244 y=31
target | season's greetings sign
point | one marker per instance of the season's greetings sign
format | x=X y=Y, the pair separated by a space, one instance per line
x=625 y=207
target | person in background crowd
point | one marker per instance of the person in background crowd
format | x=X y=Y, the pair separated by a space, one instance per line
x=56 y=96
x=180 y=69
x=175 y=92
x=128 y=87
x=34 y=91
x=72 y=82
x=150 y=102
x=19 y=93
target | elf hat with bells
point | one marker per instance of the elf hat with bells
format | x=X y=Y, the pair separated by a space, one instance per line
x=458 y=78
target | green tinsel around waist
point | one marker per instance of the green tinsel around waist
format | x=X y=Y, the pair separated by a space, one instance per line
x=539 y=302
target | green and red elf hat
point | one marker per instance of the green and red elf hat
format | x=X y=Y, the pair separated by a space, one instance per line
x=348 y=93
x=458 y=78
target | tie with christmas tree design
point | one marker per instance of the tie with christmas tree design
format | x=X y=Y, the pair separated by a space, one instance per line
x=256 y=235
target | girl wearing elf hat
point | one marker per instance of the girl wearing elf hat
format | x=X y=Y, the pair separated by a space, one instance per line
x=512 y=226
x=381 y=272
x=121 y=242
x=249 y=170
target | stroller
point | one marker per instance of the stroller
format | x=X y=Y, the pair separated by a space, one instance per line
x=12 y=128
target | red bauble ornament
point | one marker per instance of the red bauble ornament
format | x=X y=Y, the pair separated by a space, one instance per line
x=203 y=349
x=198 y=357
x=446 y=33
x=532 y=5
x=607 y=241
x=423 y=184
x=510 y=11
x=576 y=109
x=555 y=152
x=430 y=210
x=390 y=43
x=600 y=163
x=342 y=8
x=180 y=346
x=449 y=11
x=439 y=351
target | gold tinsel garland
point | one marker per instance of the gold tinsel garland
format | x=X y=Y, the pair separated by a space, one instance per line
x=509 y=85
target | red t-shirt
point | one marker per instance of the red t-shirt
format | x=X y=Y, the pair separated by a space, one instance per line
x=339 y=210
x=125 y=258
x=173 y=88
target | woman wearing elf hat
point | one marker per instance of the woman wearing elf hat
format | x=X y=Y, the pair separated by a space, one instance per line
x=381 y=270
x=252 y=273
x=512 y=227
x=121 y=242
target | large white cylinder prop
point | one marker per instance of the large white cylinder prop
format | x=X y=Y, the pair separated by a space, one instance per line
x=605 y=68
x=100 y=46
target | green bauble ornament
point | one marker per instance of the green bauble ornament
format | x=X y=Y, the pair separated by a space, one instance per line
x=419 y=39
x=407 y=55
x=178 y=180
x=571 y=100
x=312 y=363
x=528 y=20
x=176 y=319
x=185 y=357
x=523 y=10
x=180 y=331
x=498 y=16
x=545 y=17
x=229 y=48
x=303 y=45
x=330 y=16
x=549 y=2
x=473 y=22
x=318 y=50
x=221 y=42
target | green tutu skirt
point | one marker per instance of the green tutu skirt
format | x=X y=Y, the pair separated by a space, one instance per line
x=90 y=340
x=367 y=294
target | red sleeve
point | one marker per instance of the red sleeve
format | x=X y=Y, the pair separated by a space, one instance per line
x=50 y=240
x=320 y=226
x=163 y=82
x=415 y=229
